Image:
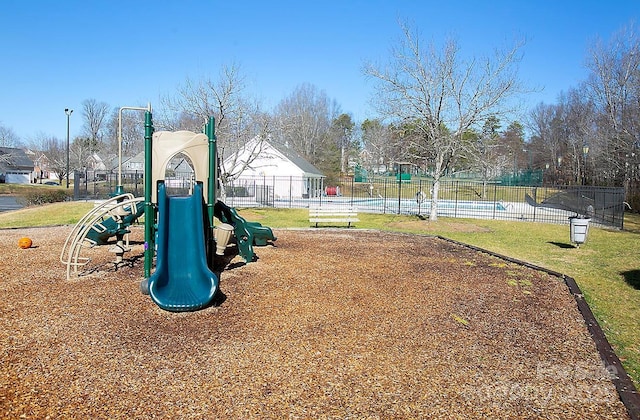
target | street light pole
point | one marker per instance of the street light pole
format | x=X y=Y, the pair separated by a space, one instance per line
x=68 y=112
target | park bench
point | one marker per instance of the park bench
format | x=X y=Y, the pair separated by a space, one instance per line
x=333 y=214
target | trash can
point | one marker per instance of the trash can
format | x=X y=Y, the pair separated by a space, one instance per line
x=579 y=228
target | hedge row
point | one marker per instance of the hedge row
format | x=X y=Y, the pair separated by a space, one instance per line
x=45 y=196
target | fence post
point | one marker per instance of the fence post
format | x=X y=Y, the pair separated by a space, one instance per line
x=384 y=200
x=535 y=198
x=352 y=189
x=455 y=208
x=76 y=186
x=86 y=180
x=621 y=192
x=605 y=205
x=495 y=200
x=419 y=196
x=399 y=189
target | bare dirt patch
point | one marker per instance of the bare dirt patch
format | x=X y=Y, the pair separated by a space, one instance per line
x=326 y=324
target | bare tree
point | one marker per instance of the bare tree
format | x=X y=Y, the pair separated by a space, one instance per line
x=95 y=116
x=55 y=151
x=487 y=152
x=614 y=88
x=547 y=137
x=303 y=120
x=8 y=138
x=238 y=117
x=80 y=151
x=342 y=137
x=579 y=122
x=244 y=158
x=376 y=139
x=443 y=96
x=132 y=132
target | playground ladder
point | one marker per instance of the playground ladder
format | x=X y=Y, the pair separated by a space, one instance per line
x=114 y=207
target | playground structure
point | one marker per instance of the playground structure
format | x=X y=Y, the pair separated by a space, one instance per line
x=111 y=218
x=180 y=231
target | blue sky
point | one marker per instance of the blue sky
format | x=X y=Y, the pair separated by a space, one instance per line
x=55 y=54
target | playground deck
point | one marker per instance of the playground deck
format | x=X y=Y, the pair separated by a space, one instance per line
x=328 y=323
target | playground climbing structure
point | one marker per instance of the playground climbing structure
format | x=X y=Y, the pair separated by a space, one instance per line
x=184 y=241
x=180 y=231
x=108 y=219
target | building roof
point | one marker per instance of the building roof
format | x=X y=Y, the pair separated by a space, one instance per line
x=257 y=150
x=12 y=159
x=296 y=159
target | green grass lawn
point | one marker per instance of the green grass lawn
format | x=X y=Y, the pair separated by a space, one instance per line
x=65 y=213
x=606 y=267
x=21 y=189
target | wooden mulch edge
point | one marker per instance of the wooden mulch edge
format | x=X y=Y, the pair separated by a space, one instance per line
x=623 y=383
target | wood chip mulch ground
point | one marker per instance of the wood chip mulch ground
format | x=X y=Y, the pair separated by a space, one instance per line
x=326 y=324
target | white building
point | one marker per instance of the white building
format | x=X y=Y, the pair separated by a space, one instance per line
x=269 y=170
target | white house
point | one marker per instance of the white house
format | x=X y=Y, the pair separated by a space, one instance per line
x=96 y=163
x=272 y=170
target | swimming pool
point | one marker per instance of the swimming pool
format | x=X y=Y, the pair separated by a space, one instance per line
x=413 y=206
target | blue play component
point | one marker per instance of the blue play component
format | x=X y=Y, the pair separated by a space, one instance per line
x=182 y=280
x=103 y=231
x=247 y=233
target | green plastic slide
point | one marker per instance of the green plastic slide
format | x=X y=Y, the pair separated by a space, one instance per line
x=182 y=280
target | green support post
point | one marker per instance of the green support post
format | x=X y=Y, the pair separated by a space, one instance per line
x=210 y=131
x=149 y=240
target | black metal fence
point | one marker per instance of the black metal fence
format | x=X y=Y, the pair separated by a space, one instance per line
x=390 y=195
x=99 y=185
x=456 y=198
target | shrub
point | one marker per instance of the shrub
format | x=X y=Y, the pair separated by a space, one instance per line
x=45 y=196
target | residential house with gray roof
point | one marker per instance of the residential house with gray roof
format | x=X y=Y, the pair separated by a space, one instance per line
x=15 y=166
